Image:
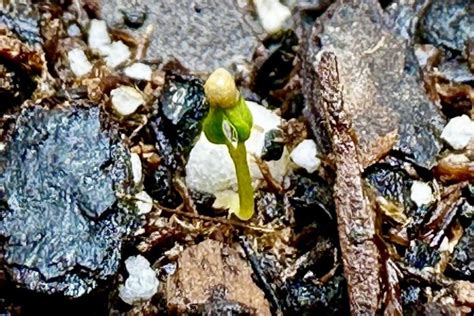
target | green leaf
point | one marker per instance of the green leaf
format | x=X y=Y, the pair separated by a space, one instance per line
x=212 y=126
x=241 y=118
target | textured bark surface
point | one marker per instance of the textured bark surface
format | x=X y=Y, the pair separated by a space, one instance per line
x=355 y=216
x=382 y=90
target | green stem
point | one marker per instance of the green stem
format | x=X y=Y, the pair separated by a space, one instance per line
x=244 y=181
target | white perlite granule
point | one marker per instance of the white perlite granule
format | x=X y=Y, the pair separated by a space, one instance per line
x=78 y=62
x=458 y=132
x=142 y=282
x=126 y=100
x=304 y=155
x=272 y=14
x=421 y=193
x=138 y=71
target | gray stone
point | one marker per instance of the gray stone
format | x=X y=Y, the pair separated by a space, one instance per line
x=202 y=35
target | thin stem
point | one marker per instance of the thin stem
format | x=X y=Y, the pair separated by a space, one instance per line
x=244 y=181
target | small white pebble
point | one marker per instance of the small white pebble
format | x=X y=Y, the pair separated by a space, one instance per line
x=421 y=193
x=73 y=30
x=304 y=155
x=116 y=54
x=138 y=71
x=272 y=14
x=136 y=168
x=458 y=132
x=144 y=202
x=142 y=282
x=126 y=100
x=78 y=61
x=98 y=35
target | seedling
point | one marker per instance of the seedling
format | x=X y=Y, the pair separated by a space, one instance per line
x=229 y=123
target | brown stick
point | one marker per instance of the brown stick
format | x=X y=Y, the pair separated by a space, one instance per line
x=355 y=215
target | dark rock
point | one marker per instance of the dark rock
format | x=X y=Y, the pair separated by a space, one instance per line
x=306 y=298
x=160 y=186
x=383 y=91
x=275 y=71
x=448 y=24
x=462 y=261
x=63 y=222
x=269 y=206
x=312 y=199
x=273 y=145
x=421 y=255
x=204 y=202
x=183 y=106
x=202 y=35
x=181 y=109
x=391 y=182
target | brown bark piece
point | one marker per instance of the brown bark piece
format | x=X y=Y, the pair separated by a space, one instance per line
x=355 y=216
x=210 y=273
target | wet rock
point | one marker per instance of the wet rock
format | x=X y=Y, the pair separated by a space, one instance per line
x=448 y=24
x=462 y=261
x=202 y=36
x=391 y=182
x=62 y=220
x=275 y=71
x=421 y=255
x=183 y=105
x=273 y=145
x=306 y=298
x=381 y=87
x=207 y=268
x=160 y=186
x=312 y=199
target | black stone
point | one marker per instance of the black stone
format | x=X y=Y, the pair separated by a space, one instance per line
x=273 y=145
x=306 y=298
x=462 y=261
x=62 y=220
x=183 y=106
x=421 y=255
x=312 y=200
